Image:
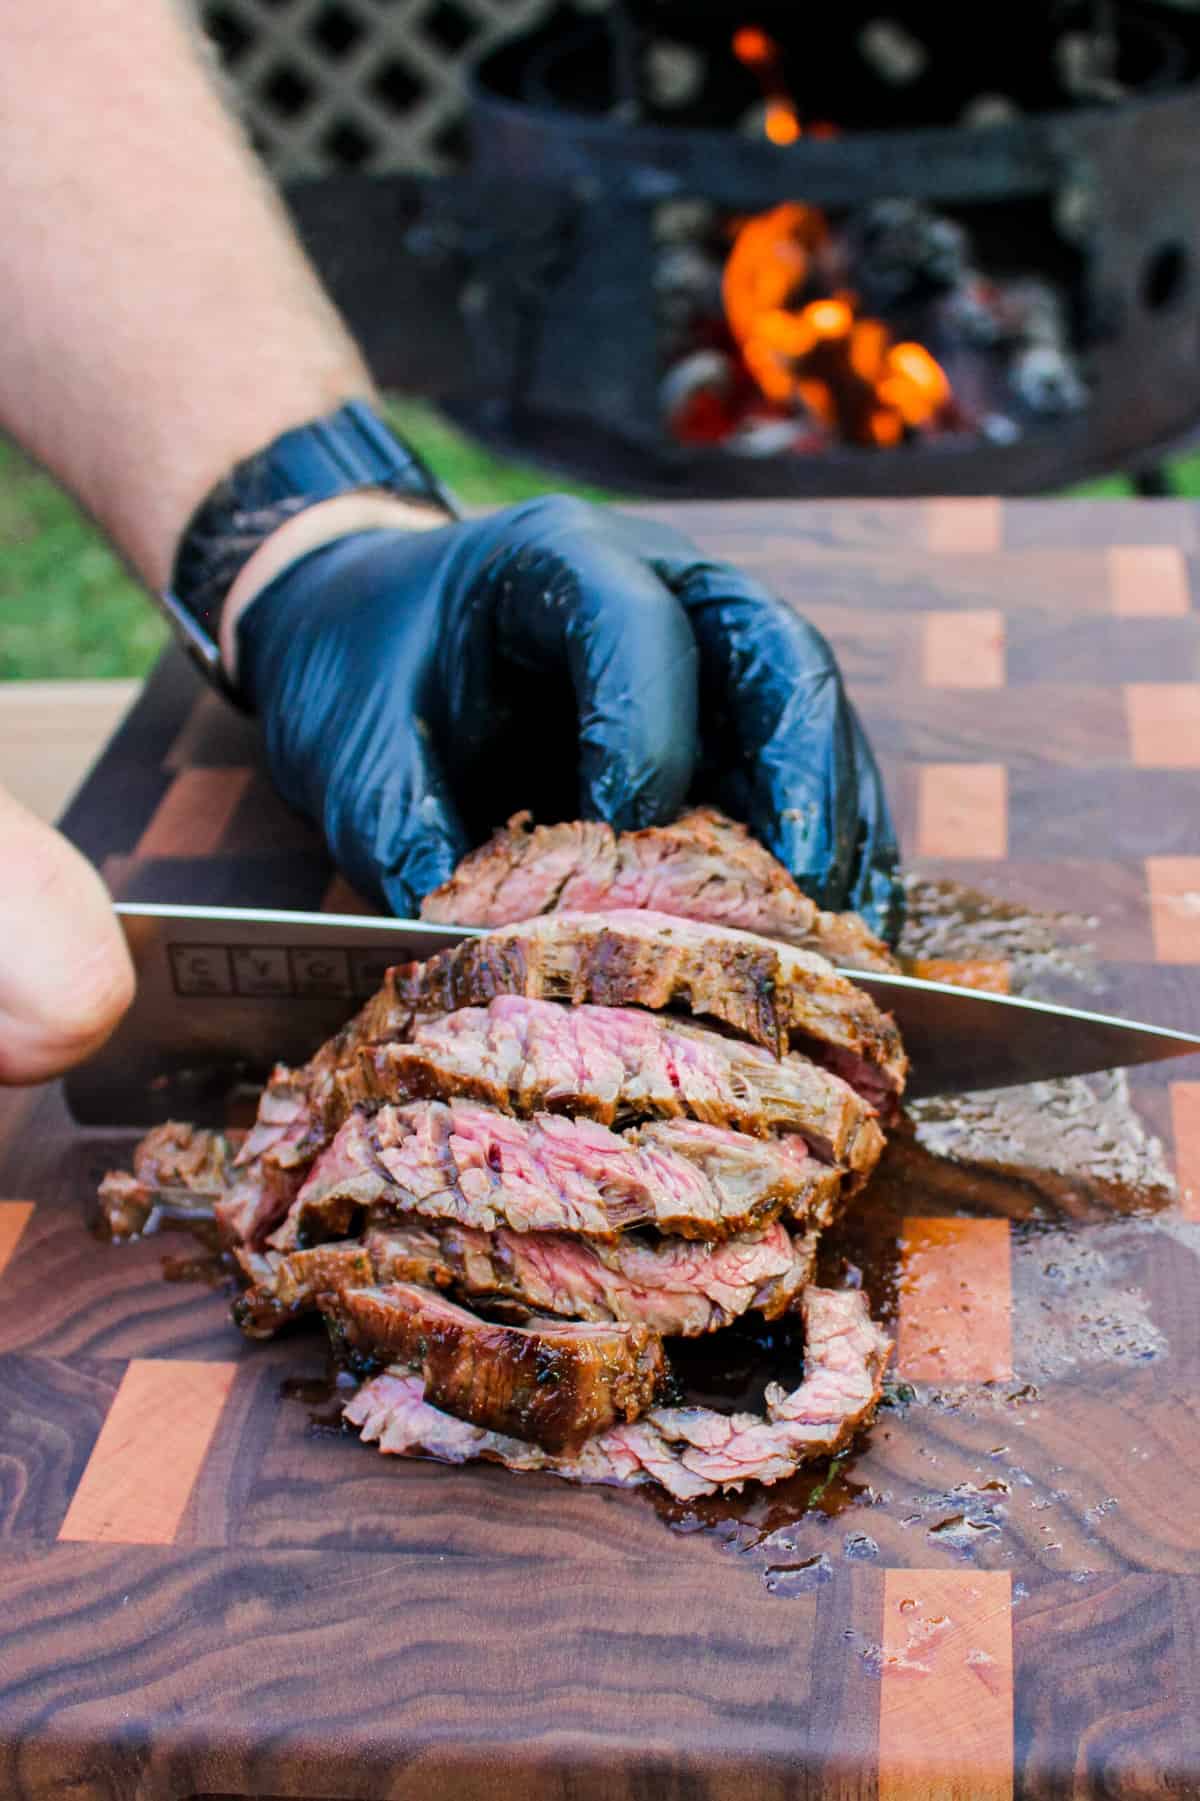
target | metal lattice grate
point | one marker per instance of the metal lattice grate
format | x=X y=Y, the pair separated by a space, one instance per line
x=371 y=85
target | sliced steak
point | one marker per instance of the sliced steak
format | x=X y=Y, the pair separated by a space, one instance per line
x=634 y=959
x=286 y=1285
x=554 y=1384
x=477 y=1167
x=689 y=1451
x=614 y=1065
x=295 y=1121
x=174 y=1165
x=676 y=1286
x=769 y=993
x=705 y=867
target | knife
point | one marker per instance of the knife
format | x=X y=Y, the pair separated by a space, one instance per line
x=224 y=992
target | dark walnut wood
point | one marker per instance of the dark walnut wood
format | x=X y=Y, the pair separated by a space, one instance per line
x=209 y=1591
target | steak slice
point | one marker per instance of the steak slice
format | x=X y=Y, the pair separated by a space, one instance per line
x=689 y=1451
x=287 y=1284
x=175 y=1165
x=769 y=993
x=470 y=1164
x=705 y=867
x=553 y=1384
x=295 y=1121
x=613 y=1065
x=676 y=1286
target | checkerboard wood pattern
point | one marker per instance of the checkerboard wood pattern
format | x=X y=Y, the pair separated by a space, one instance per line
x=205 y=1594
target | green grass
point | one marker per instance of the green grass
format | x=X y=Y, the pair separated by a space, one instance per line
x=69 y=608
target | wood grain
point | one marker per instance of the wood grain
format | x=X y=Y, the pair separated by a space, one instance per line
x=955 y=1322
x=946 y=1694
x=962 y=810
x=1148 y=581
x=1164 y=724
x=191 y=819
x=963 y=525
x=1185 y=1122
x=14 y=1217
x=990 y=973
x=149 y=1453
x=963 y=650
x=1173 y=884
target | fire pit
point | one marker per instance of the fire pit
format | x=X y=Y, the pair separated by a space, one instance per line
x=772 y=253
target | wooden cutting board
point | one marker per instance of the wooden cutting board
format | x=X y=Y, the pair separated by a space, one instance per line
x=206 y=1593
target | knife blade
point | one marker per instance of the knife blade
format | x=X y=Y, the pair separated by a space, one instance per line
x=224 y=992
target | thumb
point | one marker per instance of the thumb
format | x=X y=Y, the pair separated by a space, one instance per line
x=65 y=974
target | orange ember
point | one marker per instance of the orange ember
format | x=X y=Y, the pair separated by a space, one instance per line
x=819 y=355
x=752 y=46
x=781 y=124
x=807 y=348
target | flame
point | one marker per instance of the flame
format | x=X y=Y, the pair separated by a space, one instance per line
x=820 y=354
x=781 y=124
x=752 y=46
x=804 y=348
x=914 y=384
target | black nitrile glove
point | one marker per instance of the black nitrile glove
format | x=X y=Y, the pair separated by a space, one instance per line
x=417 y=686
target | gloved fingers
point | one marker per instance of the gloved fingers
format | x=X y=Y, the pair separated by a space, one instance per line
x=776 y=727
x=570 y=599
x=390 y=819
x=875 y=889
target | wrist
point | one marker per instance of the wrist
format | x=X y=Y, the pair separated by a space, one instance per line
x=308 y=531
x=278 y=505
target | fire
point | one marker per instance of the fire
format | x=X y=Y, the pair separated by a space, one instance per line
x=781 y=126
x=752 y=46
x=807 y=349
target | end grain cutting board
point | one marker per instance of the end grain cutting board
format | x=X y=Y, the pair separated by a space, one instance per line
x=205 y=1594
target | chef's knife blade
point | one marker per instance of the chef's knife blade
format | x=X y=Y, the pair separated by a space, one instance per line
x=224 y=992
x=959 y=1039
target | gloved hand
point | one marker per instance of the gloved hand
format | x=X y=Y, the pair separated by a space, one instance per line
x=415 y=687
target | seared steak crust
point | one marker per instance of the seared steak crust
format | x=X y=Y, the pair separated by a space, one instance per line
x=769 y=993
x=552 y=1384
x=705 y=866
x=689 y=1451
x=286 y=1284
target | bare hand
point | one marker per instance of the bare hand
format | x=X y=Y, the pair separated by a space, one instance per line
x=65 y=974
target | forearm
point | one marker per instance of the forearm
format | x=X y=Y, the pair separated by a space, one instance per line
x=158 y=319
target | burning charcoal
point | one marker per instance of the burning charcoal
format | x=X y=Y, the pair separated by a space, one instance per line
x=1086 y=64
x=987 y=110
x=682 y=221
x=674 y=73
x=1035 y=311
x=973 y=312
x=684 y=274
x=697 y=398
x=770 y=437
x=900 y=247
x=892 y=52
x=1047 y=380
x=1075 y=211
x=998 y=428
